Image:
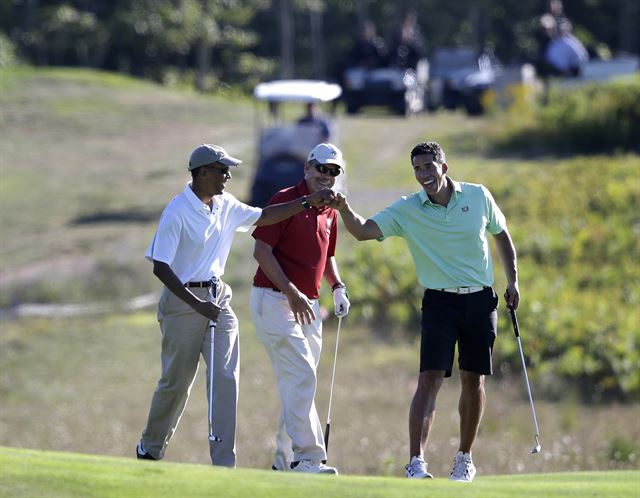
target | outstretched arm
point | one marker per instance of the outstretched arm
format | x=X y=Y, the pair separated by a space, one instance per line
x=509 y=262
x=357 y=226
x=278 y=212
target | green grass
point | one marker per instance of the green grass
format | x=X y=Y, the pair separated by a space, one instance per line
x=30 y=473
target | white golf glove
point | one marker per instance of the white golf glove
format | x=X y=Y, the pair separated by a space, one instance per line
x=341 y=302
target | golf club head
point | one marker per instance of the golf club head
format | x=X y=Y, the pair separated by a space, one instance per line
x=537 y=447
x=215 y=439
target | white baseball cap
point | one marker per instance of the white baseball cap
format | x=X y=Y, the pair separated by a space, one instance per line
x=209 y=154
x=326 y=154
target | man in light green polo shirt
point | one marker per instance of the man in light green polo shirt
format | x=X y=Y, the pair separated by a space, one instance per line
x=445 y=225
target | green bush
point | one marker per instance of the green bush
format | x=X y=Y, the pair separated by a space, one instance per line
x=591 y=119
x=8 y=55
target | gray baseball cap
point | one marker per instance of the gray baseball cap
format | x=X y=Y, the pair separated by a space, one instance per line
x=209 y=154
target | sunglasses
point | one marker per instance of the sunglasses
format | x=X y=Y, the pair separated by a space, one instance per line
x=223 y=171
x=324 y=169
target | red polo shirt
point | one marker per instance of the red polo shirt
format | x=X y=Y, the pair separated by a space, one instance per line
x=302 y=244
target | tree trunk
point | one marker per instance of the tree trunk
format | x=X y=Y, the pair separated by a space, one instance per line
x=317 y=44
x=204 y=64
x=628 y=16
x=203 y=52
x=286 y=40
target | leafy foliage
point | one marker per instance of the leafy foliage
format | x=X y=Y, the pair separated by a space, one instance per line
x=7 y=52
x=150 y=37
x=592 y=119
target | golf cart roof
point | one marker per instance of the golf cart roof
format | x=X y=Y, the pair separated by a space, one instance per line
x=297 y=91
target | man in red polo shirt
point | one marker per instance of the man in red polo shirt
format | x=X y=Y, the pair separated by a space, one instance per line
x=294 y=256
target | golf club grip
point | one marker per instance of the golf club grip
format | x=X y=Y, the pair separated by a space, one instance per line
x=514 y=320
x=327 y=430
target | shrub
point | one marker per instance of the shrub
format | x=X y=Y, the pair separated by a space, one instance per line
x=595 y=118
x=8 y=55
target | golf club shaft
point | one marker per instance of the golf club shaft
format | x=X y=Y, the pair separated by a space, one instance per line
x=516 y=331
x=333 y=378
x=212 y=329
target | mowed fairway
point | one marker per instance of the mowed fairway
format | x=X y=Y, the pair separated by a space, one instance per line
x=28 y=473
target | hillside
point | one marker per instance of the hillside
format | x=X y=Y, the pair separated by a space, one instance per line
x=90 y=159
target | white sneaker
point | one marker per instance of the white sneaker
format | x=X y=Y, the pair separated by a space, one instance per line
x=463 y=468
x=417 y=469
x=314 y=467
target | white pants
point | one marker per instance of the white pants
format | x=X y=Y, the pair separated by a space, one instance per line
x=294 y=351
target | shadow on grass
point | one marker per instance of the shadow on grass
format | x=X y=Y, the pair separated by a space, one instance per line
x=115 y=216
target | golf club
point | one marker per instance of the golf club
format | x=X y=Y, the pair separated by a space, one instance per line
x=212 y=438
x=333 y=378
x=516 y=331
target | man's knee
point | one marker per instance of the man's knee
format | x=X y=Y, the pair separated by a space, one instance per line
x=429 y=381
x=471 y=381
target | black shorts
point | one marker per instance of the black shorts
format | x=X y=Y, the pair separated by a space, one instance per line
x=471 y=320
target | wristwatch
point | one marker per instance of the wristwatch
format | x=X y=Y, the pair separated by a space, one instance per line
x=305 y=203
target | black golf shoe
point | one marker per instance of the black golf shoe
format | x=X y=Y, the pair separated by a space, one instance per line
x=143 y=455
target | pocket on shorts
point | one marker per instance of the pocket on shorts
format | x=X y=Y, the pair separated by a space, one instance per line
x=495 y=299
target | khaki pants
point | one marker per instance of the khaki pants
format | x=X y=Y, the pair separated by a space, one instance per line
x=186 y=336
x=295 y=352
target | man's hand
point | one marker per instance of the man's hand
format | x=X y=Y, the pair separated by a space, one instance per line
x=207 y=309
x=341 y=302
x=321 y=198
x=512 y=296
x=339 y=202
x=301 y=307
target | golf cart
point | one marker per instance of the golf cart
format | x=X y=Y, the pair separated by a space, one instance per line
x=460 y=78
x=402 y=90
x=282 y=147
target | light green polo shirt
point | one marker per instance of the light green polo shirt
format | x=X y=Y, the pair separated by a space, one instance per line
x=449 y=245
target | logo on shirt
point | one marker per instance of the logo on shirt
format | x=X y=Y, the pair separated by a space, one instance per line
x=465 y=209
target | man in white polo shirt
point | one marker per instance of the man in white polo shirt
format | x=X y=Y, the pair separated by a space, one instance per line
x=189 y=251
x=445 y=225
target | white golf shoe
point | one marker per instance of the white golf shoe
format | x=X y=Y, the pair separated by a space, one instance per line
x=417 y=469
x=463 y=468
x=314 y=467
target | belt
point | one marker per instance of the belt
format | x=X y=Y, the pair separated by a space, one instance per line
x=462 y=290
x=206 y=283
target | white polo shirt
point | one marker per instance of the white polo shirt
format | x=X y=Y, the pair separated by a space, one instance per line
x=194 y=240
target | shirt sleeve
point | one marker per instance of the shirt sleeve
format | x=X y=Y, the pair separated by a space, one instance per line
x=388 y=220
x=496 y=222
x=164 y=245
x=245 y=216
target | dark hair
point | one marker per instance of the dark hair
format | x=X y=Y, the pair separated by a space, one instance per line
x=432 y=148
